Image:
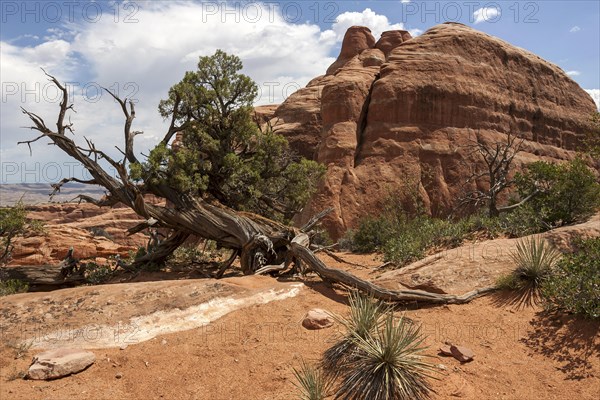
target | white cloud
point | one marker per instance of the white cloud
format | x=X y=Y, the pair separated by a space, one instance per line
x=376 y=22
x=575 y=29
x=139 y=59
x=595 y=93
x=486 y=14
x=405 y=1
x=573 y=73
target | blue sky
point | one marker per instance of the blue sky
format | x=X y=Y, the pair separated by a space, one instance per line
x=141 y=48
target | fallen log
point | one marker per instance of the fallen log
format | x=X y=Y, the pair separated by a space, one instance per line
x=347 y=279
x=41 y=275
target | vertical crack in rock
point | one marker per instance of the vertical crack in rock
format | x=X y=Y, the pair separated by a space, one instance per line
x=362 y=121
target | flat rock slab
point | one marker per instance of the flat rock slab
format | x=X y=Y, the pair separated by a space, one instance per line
x=462 y=354
x=57 y=363
x=317 y=319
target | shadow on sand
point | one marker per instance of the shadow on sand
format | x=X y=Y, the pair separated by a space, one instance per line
x=572 y=341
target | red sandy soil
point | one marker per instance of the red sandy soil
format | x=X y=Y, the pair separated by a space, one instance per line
x=520 y=351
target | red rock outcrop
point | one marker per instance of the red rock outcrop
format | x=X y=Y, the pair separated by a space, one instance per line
x=92 y=231
x=401 y=110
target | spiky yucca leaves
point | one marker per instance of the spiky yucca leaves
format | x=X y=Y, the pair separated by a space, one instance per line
x=365 y=316
x=534 y=260
x=387 y=365
x=312 y=382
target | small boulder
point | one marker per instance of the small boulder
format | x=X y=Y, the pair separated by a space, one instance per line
x=317 y=319
x=462 y=354
x=57 y=363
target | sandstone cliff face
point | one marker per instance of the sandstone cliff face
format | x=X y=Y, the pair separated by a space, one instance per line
x=399 y=111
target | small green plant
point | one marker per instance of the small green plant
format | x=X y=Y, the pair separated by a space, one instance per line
x=312 y=382
x=574 y=286
x=387 y=365
x=192 y=254
x=365 y=315
x=534 y=260
x=97 y=274
x=13 y=286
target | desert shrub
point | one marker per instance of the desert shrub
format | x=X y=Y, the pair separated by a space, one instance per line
x=194 y=254
x=574 y=285
x=568 y=192
x=320 y=237
x=365 y=314
x=14 y=223
x=13 y=286
x=377 y=357
x=534 y=260
x=97 y=274
x=312 y=383
x=405 y=239
x=371 y=234
x=523 y=221
x=388 y=364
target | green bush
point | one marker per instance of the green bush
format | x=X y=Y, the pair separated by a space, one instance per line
x=97 y=274
x=568 y=192
x=14 y=223
x=12 y=286
x=371 y=235
x=574 y=286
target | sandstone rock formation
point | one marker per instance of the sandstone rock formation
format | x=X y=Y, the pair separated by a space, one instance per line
x=93 y=232
x=399 y=111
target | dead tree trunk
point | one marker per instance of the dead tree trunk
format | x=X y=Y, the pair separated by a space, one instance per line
x=259 y=242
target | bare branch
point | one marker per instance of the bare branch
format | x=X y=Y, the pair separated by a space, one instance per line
x=58 y=186
x=129 y=116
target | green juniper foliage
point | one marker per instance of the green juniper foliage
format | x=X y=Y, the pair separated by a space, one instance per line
x=568 y=192
x=224 y=155
x=574 y=286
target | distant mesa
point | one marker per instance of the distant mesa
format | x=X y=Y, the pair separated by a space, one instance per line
x=398 y=109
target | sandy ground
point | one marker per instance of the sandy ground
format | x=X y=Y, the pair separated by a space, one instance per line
x=249 y=353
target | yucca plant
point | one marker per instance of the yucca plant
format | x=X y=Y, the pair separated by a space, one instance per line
x=312 y=382
x=365 y=316
x=534 y=260
x=386 y=365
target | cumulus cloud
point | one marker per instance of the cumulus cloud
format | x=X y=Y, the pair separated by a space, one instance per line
x=573 y=73
x=486 y=14
x=575 y=29
x=369 y=18
x=595 y=93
